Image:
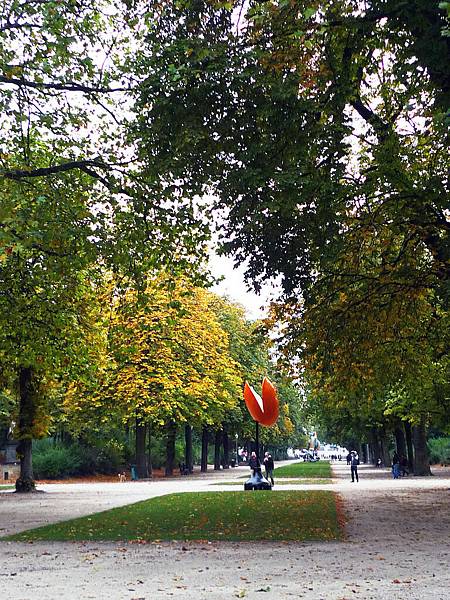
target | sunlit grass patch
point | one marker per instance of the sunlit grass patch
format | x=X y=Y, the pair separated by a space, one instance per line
x=237 y=516
x=319 y=469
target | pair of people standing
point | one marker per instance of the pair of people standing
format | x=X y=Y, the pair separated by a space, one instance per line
x=269 y=466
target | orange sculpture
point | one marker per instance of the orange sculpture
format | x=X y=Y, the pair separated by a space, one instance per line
x=263 y=410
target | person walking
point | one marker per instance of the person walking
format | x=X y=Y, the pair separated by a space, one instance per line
x=269 y=467
x=354 y=462
x=254 y=463
x=395 y=466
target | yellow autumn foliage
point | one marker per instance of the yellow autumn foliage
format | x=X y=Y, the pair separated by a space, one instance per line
x=168 y=360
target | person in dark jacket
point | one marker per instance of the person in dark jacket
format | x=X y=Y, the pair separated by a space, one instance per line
x=269 y=467
x=395 y=466
x=354 y=465
x=254 y=463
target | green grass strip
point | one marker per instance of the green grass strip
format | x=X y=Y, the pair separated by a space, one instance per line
x=313 y=481
x=307 y=470
x=236 y=516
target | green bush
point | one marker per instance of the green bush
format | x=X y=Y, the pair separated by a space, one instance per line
x=55 y=462
x=109 y=458
x=439 y=449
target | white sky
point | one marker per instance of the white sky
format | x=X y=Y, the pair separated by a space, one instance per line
x=237 y=290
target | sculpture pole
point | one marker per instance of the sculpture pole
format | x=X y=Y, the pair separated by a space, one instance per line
x=257 y=439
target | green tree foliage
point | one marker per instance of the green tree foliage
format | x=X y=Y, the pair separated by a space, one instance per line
x=322 y=129
x=251 y=347
x=73 y=200
x=169 y=361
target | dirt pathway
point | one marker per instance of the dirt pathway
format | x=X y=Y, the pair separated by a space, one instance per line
x=397 y=547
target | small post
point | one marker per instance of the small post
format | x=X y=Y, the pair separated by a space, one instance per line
x=257 y=440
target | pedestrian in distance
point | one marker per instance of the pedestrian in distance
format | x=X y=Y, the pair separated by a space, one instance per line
x=269 y=466
x=349 y=458
x=395 y=466
x=254 y=463
x=354 y=462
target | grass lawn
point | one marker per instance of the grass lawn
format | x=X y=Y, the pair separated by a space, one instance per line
x=280 y=481
x=283 y=515
x=308 y=470
x=6 y=487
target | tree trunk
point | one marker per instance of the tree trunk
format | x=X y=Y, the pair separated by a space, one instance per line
x=373 y=453
x=384 y=448
x=226 y=449
x=170 y=447
x=27 y=413
x=374 y=449
x=204 y=461
x=149 y=451
x=365 y=453
x=376 y=446
x=409 y=445
x=359 y=451
x=141 y=450
x=217 y=445
x=421 y=460
x=188 y=448
x=400 y=441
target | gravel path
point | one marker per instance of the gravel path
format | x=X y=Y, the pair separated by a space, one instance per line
x=397 y=547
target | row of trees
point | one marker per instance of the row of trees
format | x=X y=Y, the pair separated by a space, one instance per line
x=177 y=357
x=320 y=130
x=324 y=136
x=171 y=358
x=74 y=204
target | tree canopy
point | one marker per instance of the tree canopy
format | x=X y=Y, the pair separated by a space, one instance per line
x=322 y=130
x=318 y=133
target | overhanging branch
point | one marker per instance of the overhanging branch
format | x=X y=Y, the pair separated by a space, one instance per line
x=18 y=174
x=70 y=86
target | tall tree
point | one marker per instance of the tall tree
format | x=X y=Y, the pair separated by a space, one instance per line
x=72 y=198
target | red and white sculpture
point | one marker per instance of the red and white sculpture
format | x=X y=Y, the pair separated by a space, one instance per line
x=263 y=409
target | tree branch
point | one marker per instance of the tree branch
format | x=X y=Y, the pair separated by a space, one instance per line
x=18 y=174
x=9 y=26
x=70 y=86
x=380 y=127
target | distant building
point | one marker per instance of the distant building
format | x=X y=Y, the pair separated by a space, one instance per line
x=9 y=463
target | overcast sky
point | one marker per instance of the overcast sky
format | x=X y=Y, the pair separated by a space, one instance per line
x=236 y=289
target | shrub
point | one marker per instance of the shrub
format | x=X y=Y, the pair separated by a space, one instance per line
x=55 y=462
x=109 y=458
x=439 y=449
